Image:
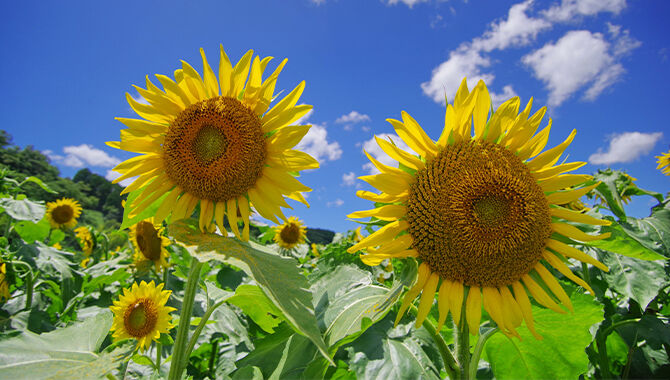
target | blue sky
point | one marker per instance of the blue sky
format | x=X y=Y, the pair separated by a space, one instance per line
x=601 y=66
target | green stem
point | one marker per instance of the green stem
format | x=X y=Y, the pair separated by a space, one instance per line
x=450 y=365
x=201 y=325
x=178 y=360
x=159 y=353
x=601 y=343
x=463 y=342
x=212 y=357
x=29 y=281
x=586 y=275
x=479 y=347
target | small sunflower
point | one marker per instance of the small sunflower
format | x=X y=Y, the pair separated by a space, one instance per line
x=480 y=213
x=141 y=313
x=315 y=250
x=63 y=213
x=149 y=243
x=4 y=283
x=57 y=246
x=664 y=163
x=290 y=234
x=214 y=142
x=85 y=239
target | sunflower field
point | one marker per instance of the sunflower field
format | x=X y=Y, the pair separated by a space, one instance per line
x=483 y=254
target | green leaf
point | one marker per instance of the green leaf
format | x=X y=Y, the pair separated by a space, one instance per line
x=653 y=231
x=279 y=277
x=47 y=259
x=56 y=236
x=385 y=352
x=63 y=354
x=346 y=297
x=23 y=209
x=248 y=373
x=630 y=277
x=148 y=212
x=559 y=355
x=616 y=185
x=30 y=231
x=255 y=304
x=623 y=243
x=39 y=183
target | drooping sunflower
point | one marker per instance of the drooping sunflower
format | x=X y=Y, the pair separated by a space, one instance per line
x=85 y=239
x=149 y=244
x=664 y=163
x=4 y=284
x=214 y=142
x=480 y=212
x=141 y=313
x=63 y=213
x=290 y=233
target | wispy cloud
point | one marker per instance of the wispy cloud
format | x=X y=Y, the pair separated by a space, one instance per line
x=336 y=203
x=83 y=155
x=352 y=117
x=316 y=144
x=409 y=3
x=349 y=179
x=626 y=147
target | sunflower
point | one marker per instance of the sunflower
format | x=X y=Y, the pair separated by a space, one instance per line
x=315 y=250
x=290 y=234
x=480 y=213
x=141 y=313
x=85 y=239
x=63 y=213
x=664 y=163
x=214 y=142
x=4 y=284
x=149 y=243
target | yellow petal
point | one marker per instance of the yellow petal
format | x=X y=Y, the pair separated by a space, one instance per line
x=524 y=304
x=206 y=213
x=456 y=301
x=173 y=89
x=211 y=84
x=473 y=309
x=288 y=102
x=286 y=117
x=240 y=72
x=553 y=285
x=231 y=212
x=287 y=137
x=481 y=109
x=551 y=156
x=243 y=204
x=225 y=74
x=427 y=298
x=573 y=232
x=511 y=308
x=421 y=279
x=399 y=154
x=143 y=126
x=540 y=295
x=569 y=251
x=554 y=170
x=168 y=204
x=293 y=160
x=388 y=212
x=561 y=267
x=148 y=111
x=443 y=302
x=563 y=181
x=388 y=169
x=564 y=197
x=388 y=183
x=387 y=232
x=578 y=217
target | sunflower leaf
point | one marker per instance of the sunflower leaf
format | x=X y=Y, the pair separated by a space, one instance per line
x=279 y=277
x=560 y=355
x=23 y=209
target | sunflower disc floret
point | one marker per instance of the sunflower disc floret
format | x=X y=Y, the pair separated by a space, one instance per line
x=216 y=143
x=481 y=211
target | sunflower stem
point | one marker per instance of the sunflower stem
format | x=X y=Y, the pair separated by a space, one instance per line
x=178 y=358
x=159 y=351
x=479 y=347
x=586 y=275
x=463 y=344
x=29 y=281
x=201 y=325
x=450 y=365
x=601 y=343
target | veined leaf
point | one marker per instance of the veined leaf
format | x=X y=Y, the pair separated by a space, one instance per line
x=23 y=209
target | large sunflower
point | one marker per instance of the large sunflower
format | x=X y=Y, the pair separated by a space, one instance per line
x=149 y=243
x=479 y=212
x=215 y=142
x=141 y=313
x=63 y=213
x=664 y=163
x=290 y=234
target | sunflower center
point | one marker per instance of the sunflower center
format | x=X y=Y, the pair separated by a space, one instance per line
x=140 y=318
x=215 y=149
x=290 y=234
x=62 y=214
x=477 y=215
x=148 y=240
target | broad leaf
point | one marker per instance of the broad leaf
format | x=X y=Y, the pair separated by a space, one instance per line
x=622 y=243
x=559 y=355
x=279 y=277
x=39 y=183
x=631 y=277
x=255 y=304
x=65 y=353
x=30 y=231
x=23 y=209
x=48 y=259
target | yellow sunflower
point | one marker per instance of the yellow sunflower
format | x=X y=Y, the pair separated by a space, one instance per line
x=63 y=213
x=149 y=243
x=664 y=163
x=141 y=313
x=480 y=213
x=4 y=284
x=214 y=142
x=315 y=250
x=86 y=242
x=290 y=234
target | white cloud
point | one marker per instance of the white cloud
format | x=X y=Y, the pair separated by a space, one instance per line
x=626 y=147
x=315 y=143
x=520 y=28
x=577 y=59
x=318 y=2
x=517 y=30
x=409 y=3
x=82 y=155
x=375 y=151
x=569 y=9
x=336 y=203
x=352 y=117
x=349 y=179
x=112 y=175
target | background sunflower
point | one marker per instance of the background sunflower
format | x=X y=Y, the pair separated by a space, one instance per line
x=63 y=213
x=290 y=233
x=149 y=243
